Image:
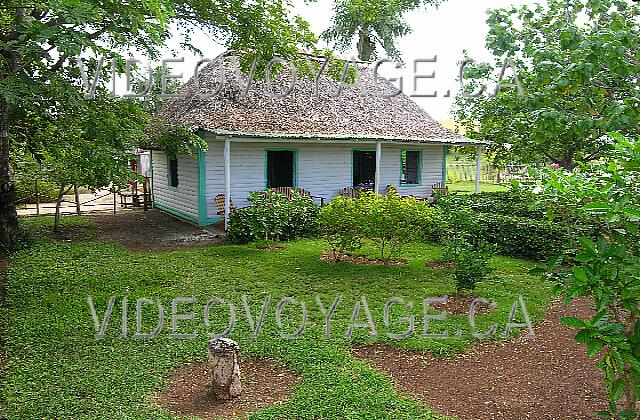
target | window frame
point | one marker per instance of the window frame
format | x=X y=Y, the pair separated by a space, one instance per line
x=418 y=169
x=266 y=164
x=169 y=172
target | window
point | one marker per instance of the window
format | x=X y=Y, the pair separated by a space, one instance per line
x=410 y=167
x=173 y=172
x=280 y=168
x=364 y=169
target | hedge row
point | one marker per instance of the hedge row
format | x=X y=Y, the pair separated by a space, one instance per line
x=520 y=236
x=509 y=203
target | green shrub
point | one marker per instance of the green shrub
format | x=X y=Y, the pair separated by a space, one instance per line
x=339 y=225
x=472 y=261
x=389 y=221
x=514 y=236
x=510 y=203
x=26 y=192
x=273 y=217
x=508 y=220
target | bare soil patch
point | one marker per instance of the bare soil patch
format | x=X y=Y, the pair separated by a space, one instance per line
x=440 y=265
x=152 y=230
x=329 y=256
x=460 y=305
x=548 y=377
x=272 y=248
x=264 y=382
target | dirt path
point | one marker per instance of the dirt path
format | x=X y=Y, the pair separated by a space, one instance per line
x=152 y=231
x=549 y=377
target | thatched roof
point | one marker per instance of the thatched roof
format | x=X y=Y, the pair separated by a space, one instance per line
x=358 y=112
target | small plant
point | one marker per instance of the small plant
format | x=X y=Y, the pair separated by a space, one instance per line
x=339 y=224
x=472 y=261
x=389 y=221
x=273 y=217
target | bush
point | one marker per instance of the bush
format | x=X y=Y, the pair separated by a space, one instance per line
x=510 y=203
x=339 y=224
x=514 y=236
x=26 y=192
x=389 y=221
x=472 y=261
x=272 y=216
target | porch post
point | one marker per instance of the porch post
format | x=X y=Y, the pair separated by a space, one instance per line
x=378 y=159
x=478 y=162
x=227 y=182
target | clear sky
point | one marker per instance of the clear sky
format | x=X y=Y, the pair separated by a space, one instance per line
x=444 y=32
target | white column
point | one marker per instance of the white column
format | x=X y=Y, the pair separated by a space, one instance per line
x=227 y=182
x=478 y=163
x=378 y=160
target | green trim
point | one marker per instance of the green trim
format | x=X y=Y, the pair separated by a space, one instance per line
x=186 y=216
x=151 y=173
x=358 y=149
x=178 y=213
x=295 y=163
x=202 y=185
x=419 y=175
x=445 y=151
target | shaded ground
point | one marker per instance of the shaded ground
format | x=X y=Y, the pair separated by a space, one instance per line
x=549 y=377
x=152 y=230
x=263 y=383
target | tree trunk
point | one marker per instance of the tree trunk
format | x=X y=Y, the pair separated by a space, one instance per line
x=56 y=219
x=224 y=369
x=365 y=46
x=8 y=213
x=77 y=195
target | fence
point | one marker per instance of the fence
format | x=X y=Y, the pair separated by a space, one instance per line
x=104 y=200
x=461 y=172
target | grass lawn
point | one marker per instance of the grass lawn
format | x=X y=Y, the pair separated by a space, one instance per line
x=470 y=187
x=57 y=368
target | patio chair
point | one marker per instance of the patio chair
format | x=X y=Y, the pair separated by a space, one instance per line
x=350 y=192
x=439 y=188
x=220 y=205
x=288 y=192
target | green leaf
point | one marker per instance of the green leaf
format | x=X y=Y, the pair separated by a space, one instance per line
x=627 y=414
x=618 y=389
x=632 y=210
x=572 y=322
x=580 y=274
x=584 y=257
x=597 y=207
x=583 y=337
x=595 y=347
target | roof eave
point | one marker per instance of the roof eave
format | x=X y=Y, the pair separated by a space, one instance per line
x=346 y=138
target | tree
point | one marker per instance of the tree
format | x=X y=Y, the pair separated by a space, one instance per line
x=38 y=40
x=578 y=63
x=604 y=266
x=89 y=147
x=375 y=23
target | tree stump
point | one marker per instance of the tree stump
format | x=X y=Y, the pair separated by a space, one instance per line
x=224 y=369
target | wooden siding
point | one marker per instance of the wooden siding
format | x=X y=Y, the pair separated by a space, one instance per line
x=183 y=198
x=322 y=168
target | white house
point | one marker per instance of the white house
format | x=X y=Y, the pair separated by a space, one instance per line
x=319 y=137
